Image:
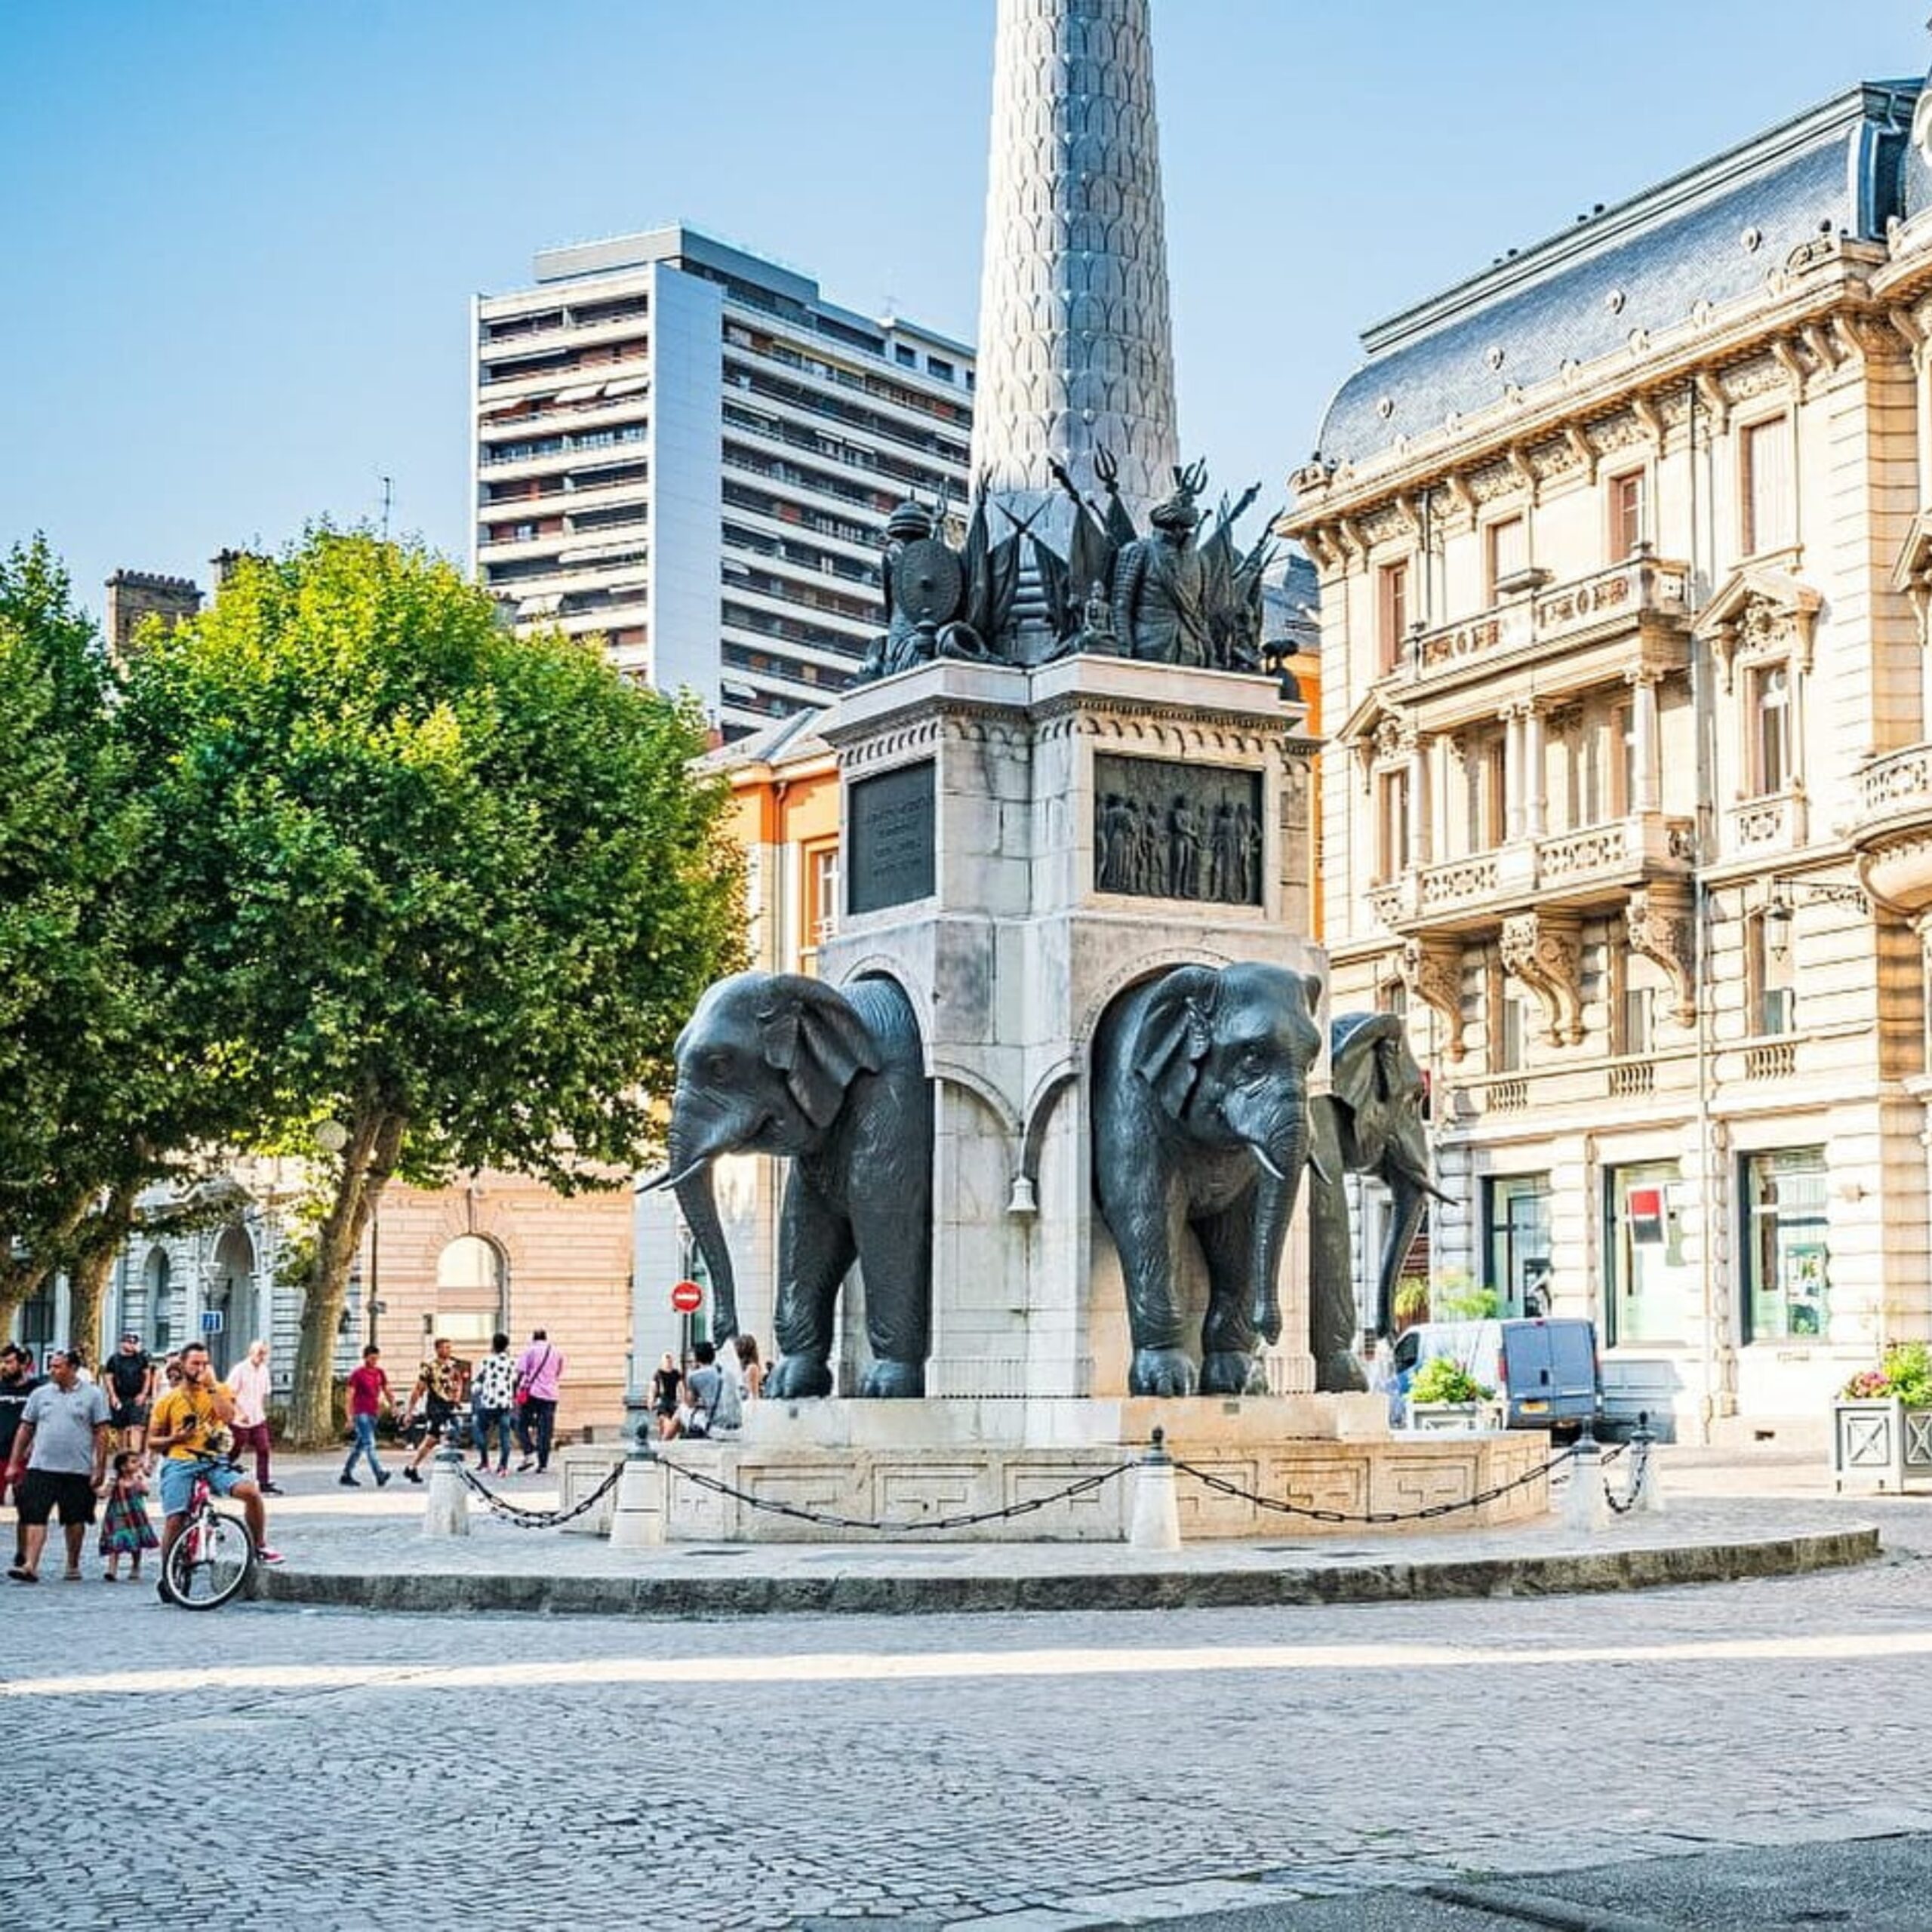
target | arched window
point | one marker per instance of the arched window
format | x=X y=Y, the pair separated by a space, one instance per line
x=157 y=1289
x=472 y=1282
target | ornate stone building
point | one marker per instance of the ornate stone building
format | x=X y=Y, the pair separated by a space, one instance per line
x=1625 y=546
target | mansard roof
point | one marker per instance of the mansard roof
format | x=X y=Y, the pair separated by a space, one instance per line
x=1710 y=234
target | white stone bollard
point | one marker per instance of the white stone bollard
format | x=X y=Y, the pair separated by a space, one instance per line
x=1156 y=1511
x=1645 y=1498
x=1584 y=1507
x=638 y=1517
x=446 y=1509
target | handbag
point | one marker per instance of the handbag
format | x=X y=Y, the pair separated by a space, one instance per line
x=521 y=1393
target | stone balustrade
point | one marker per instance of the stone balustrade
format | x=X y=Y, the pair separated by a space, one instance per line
x=1638 y=588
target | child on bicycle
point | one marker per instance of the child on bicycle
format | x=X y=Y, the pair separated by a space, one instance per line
x=124 y=1528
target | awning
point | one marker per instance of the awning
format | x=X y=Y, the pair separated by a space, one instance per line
x=628 y=386
x=582 y=392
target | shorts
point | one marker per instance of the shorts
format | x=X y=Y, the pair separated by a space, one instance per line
x=437 y=1413
x=128 y=1415
x=177 y=1481
x=42 y=1491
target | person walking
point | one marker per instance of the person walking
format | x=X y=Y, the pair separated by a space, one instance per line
x=250 y=1383
x=129 y=1377
x=124 y=1528
x=17 y=1382
x=441 y=1383
x=368 y=1397
x=59 y=1460
x=540 y=1371
x=664 y=1385
x=494 y=1400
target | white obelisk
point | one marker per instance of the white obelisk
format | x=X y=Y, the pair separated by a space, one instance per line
x=1075 y=347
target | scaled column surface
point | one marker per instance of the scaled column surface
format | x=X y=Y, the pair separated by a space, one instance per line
x=1075 y=348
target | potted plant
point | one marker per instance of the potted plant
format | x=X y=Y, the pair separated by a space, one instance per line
x=1444 y=1394
x=1411 y=1302
x=1881 y=1422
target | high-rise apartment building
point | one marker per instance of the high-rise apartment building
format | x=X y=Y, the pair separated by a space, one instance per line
x=683 y=446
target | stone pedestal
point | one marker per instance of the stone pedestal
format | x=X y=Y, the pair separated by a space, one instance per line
x=979 y=803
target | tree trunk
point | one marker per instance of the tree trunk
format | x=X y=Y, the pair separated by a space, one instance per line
x=369 y=1159
x=100 y=1238
x=20 y=1276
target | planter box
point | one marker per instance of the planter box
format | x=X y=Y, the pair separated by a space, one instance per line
x=1881 y=1444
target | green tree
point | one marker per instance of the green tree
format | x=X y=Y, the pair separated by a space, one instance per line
x=453 y=889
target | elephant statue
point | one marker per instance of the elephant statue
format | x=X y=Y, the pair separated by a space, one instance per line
x=1369 y=1122
x=1200 y=1107
x=777 y=1063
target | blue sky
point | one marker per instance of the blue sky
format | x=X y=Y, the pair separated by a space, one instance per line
x=239 y=241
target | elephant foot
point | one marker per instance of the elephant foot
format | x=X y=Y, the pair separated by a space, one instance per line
x=1161 y=1372
x=891 y=1379
x=1232 y=1372
x=798 y=1376
x=1340 y=1374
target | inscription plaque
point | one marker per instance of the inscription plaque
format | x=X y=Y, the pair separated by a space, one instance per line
x=1167 y=831
x=889 y=855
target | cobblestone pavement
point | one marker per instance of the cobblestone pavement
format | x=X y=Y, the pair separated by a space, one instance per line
x=320 y=1768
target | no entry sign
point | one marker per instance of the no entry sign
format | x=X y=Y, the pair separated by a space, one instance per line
x=687 y=1297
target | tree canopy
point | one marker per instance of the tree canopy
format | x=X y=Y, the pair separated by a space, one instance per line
x=454 y=888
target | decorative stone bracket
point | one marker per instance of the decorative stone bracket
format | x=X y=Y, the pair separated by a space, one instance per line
x=1545 y=950
x=1433 y=973
x=1657 y=922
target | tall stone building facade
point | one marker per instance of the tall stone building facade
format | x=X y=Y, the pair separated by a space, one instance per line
x=1625 y=556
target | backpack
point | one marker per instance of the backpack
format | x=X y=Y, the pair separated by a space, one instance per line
x=728 y=1411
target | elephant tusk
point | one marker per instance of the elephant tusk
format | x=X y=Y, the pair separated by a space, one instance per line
x=1448 y=1200
x=652 y=1183
x=1255 y=1148
x=1321 y=1173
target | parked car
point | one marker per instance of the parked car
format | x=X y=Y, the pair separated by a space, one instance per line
x=1545 y=1369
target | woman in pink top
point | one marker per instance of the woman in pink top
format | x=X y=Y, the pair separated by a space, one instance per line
x=540 y=1369
x=249 y=1384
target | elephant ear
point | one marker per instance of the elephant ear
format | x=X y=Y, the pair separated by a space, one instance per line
x=1176 y=1031
x=812 y=1036
x=1368 y=1053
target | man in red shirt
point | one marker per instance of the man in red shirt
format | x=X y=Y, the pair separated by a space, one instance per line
x=368 y=1397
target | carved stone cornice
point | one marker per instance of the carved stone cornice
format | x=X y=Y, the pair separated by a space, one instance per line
x=1432 y=971
x=1545 y=950
x=1658 y=924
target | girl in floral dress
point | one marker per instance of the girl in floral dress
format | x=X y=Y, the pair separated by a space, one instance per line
x=124 y=1528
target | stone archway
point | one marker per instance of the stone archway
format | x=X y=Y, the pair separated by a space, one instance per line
x=229 y=1292
x=472 y=1293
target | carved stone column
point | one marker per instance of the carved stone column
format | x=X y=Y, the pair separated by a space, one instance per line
x=1421 y=803
x=1513 y=773
x=1545 y=950
x=1536 y=778
x=1644 y=749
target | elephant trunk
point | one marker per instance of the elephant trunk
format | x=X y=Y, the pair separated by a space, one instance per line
x=1410 y=1198
x=692 y=1184
x=1273 y=1208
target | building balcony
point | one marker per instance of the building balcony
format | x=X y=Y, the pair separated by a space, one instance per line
x=1891 y=830
x=1593 y=867
x=1580 y=630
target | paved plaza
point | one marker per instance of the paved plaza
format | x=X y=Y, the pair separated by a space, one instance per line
x=330 y=1767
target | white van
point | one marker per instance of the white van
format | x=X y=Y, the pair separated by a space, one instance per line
x=1544 y=1369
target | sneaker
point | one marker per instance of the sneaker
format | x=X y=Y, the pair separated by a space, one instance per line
x=268 y=1555
x=411 y=1473
x=382 y=1479
x=349 y=1482
x=502 y=1469
x=273 y=1489
x=523 y=1467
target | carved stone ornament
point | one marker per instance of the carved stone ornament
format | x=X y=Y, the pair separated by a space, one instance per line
x=1657 y=922
x=1760 y=613
x=1433 y=974
x=1545 y=950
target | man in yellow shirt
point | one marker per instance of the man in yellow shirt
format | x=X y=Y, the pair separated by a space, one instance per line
x=190 y=1430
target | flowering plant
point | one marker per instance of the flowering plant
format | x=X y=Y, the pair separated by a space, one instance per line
x=1906 y=1373
x=1442 y=1378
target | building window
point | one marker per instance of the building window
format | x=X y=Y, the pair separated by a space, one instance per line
x=935 y=366
x=908 y=357
x=821 y=906
x=1391 y=829
x=1629 y=513
x=1516 y=1241
x=157 y=1274
x=1649 y=1292
x=1765 y=485
x=1771 y=984
x=1768 y=691
x=1392 y=613
x=1510 y=1039
x=1630 y=1015
x=1506 y=553
x=1786 y=1277
x=1486 y=780
x=471 y=1282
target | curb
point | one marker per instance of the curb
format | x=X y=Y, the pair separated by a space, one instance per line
x=955 y=1594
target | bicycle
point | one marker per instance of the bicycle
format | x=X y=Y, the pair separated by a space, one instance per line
x=211 y=1562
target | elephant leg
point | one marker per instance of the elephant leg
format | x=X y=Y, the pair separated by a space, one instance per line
x=816 y=1251
x=1230 y=1363
x=1148 y=1226
x=1331 y=1289
x=895 y=1240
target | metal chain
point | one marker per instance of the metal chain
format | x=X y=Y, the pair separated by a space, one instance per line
x=965 y=1521
x=1429 y=1513
x=1639 y=1467
x=541 y=1519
